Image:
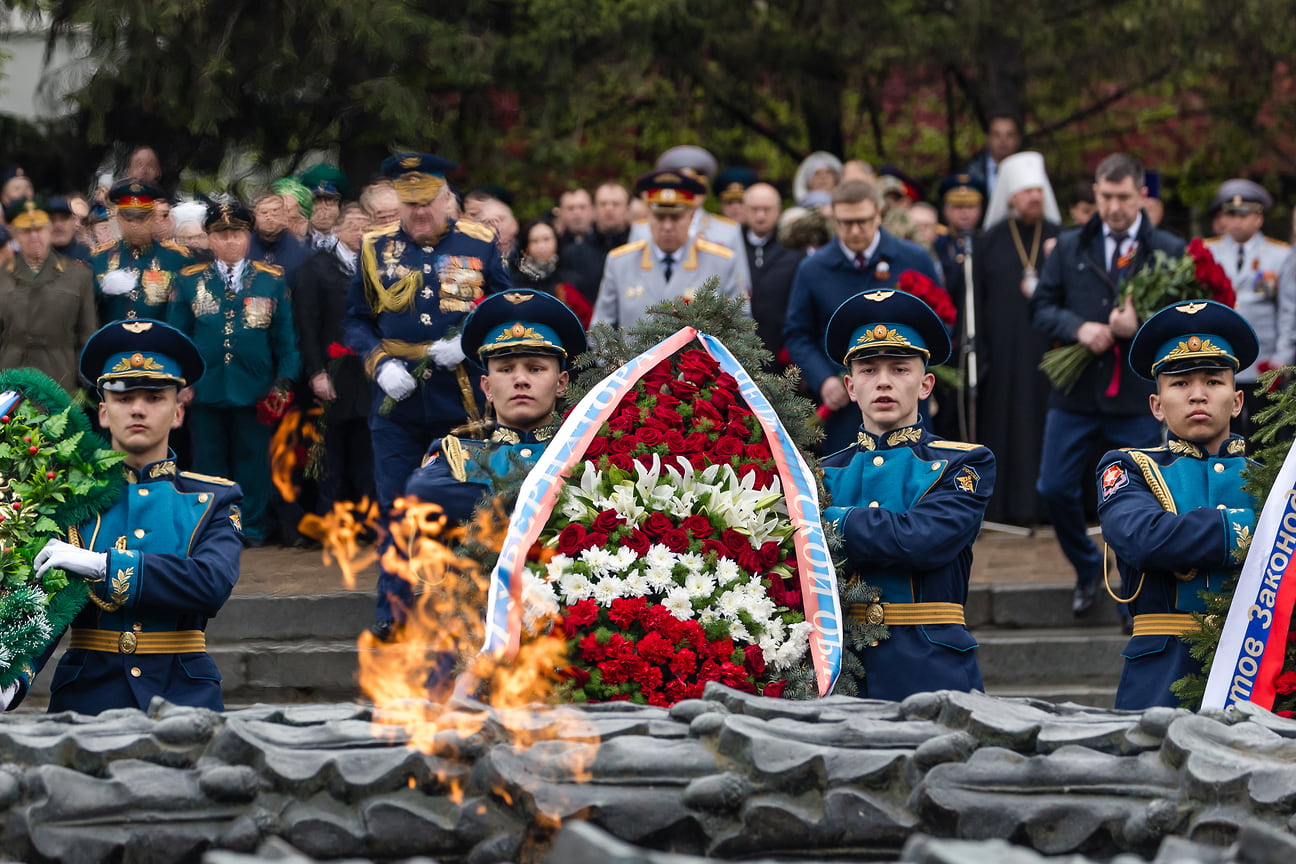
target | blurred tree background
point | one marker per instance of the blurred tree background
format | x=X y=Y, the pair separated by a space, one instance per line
x=542 y=94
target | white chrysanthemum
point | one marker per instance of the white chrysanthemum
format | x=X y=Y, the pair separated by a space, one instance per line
x=575 y=586
x=600 y=561
x=608 y=590
x=636 y=585
x=729 y=604
x=699 y=585
x=558 y=566
x=692 y=562
x=625 y=558
x=659 y=556
x=708 y=616
x=538 y=599
x=727 y=570
x=678 y=604
x=738 y=631
x=660 y=579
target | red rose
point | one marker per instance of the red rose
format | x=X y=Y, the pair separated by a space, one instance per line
x=653 y=648
x=625 y=444
x=754 y=660
x=656 y=524
x=666 y=418
x=622 y=461
x=675 y=540
x=722 y=649
x=582 y=613
x=666 y=400
x=607 y=522
x=697 y=367
x=739 y=428
x=737 y=543
x=622 y=423
x=707 y=411
x=720 y=549
x=638 y=541
x=696 y=442
x=922 y=287
x=759 y=451
x=750 y=560
x=769 y=553
x=774 y=689
x=596 y=448
x=684 y=663
x=684 y=389
x=726 y=447
x=595 y=540
x=336 y=351
x=698 y=525
x=726 y=382
x=572 y=539
x=721 y=399
x=650 y=436
x=675 y=441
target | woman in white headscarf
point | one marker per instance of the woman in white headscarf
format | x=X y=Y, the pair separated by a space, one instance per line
x=819 y=170
x=188 y=218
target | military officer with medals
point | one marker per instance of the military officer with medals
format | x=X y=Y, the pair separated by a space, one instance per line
x=416 y=280
x=669 y=263
x=1177 y=516
x=238 y=312
x=134 y=276
x=908 y=505
x=1265 y=288
x=162 y=560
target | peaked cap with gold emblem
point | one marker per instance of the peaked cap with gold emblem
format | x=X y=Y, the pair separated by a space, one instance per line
x=135 y=196
x=522 y=321
x=889 y=324
x=140 y=355
x=670 y=191
x=418 y=177
x=1193 y=334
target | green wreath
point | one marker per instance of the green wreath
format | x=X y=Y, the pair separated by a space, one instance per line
x=55 y=473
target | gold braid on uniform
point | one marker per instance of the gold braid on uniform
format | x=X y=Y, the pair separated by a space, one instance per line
x=102 y=604
x=466 y=392
x=399 y=296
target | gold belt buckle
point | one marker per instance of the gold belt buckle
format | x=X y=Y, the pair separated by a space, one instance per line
x=126 y=643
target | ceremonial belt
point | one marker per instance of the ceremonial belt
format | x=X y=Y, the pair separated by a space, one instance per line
x=1164 y=624
x=418 y=351
x=127 y=642
x=910 y=614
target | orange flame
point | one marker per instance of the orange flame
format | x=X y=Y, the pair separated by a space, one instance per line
x=295 y=434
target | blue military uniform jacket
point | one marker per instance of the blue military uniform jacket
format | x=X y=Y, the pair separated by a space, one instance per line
x=405 y=296
x=908 y=506
x=173 y=542
x=246 y=337
x=157 y=265
x=457 y=473
x=1180 y=524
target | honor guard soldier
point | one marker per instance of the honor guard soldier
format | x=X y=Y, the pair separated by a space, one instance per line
x=416 y=280
x=238 y=313
x=524 y=341
x=669 y=263
x=1177 y=516
x=907 y=504
x=1266 y=290
x=163 y=559
x=134 y=276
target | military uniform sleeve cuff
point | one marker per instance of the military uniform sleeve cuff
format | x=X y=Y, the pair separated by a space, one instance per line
x=1239 y=527
x=122 y=582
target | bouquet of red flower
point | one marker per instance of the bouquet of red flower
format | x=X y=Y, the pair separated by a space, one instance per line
x=1194 y=276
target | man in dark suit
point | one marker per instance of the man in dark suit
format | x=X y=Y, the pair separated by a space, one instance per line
x=1003 y=139
x=772 y=267
x=336 y=376
x=864 y=257
x=1078 y=301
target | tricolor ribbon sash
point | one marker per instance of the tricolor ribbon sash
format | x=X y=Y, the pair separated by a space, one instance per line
x=1254 y=639
x=542 y=487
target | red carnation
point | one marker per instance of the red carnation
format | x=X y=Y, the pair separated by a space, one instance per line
x=722 y=649
x=336 y=351
x=774 y=689
x=637 y=541
x=684 y=663
x=653 y=648
x=708 y=671
x=1285 y=683
x=583 y=613
x=698 y=525
x=658 y=699
x=754 y=659
x=915 y=283
x=676 y=690
x=572 y=539
x=625 y=611
x=649 y=679
x=607 y=522
x=733 y=675
x=592 y=651
x=726 y=447
x=675 y=540
x=659 y=620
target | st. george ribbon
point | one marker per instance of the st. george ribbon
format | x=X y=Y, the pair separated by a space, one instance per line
x=1254 y=640
x=540 y=491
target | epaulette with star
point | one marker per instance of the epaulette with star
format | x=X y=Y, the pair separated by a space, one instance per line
x=106 y=246
x=272 y=269
x=714 y=248
x=176 y=247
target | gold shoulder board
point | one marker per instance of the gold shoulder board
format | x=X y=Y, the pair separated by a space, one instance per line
x=714 y=249
x=176 y=247
x=382 y=230
x=636 y=246
x=1278 y=243
x=103 y=247
x=272 y=269
x=475 y=230
x=953 y=445
x=194 y=268
x=722 y=219
x=455 y=458
x=207 y=478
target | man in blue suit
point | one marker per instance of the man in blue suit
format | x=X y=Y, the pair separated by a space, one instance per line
x=863 y=258
x=163 y=559
x=908 y=505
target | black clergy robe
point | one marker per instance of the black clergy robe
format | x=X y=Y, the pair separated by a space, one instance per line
x=1012 y=393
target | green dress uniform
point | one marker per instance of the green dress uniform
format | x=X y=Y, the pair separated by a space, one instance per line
x=46 y=316
x=244 y=331
x=155 y=267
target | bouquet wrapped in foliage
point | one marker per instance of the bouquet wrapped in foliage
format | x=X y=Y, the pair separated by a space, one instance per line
x=54 y=473
x=1194 y=276
x=670 y=532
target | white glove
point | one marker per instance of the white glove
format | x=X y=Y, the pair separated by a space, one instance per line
x=65 y=556
x=395 y=379
x=446 y=353
x=116 y=282
x=7 y=695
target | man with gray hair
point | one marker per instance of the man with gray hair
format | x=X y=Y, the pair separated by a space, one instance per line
x=1078 y=300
